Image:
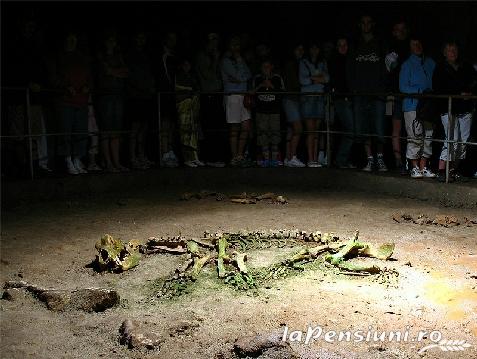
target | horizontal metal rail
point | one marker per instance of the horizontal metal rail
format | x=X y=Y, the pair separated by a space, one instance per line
x=60 y=94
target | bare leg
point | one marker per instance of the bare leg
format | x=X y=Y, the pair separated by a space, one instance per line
x=106 y=152
x=244 y=132
x=311 y=138
x=288 y=147
x=396 y=141
x=442 y=165
x=234 y=130
x=422 y=163
x=297 y=129
x=367 y=148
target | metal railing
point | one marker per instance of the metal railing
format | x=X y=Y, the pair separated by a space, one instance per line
x=329 y=96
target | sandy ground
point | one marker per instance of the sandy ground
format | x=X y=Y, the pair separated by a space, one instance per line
x=50 y=244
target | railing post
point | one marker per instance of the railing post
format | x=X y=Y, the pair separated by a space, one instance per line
x=159 y=127
x=30 y=140
x=328 y=135
x=450 y=135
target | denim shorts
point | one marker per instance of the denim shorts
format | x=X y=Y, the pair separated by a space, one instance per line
x=292 y=109
x=313 y=107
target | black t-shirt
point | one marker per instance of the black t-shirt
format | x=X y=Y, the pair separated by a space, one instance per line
x=268 y=103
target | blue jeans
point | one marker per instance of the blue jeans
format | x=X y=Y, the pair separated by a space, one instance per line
x=369 y=113
x=344 y=111
x=74 y=120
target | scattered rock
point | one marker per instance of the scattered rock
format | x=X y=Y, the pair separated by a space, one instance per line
x=446 y=221
x=131 y=335
x=184 y=327
x=87 y=299
x=263 y=346
x=470 y=221
x=440 y=220
x=243 y=198
x=423 y=220
x=11 y=294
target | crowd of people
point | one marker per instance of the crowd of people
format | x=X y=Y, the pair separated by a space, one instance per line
x=239 y=107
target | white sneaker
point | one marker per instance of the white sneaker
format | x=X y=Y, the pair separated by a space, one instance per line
x=199 y=163
x=416 y=173
x=172 y=156
x=70 y=167
x=79 y=165
x=381 y=165
x=313 y=164
x=370 y=165
x=44 y=167
x=322 y=158
x=169 y=156
x=191 y=164
x=427 y=173
x=165 y=156
x=94 y=167
x=294 y=162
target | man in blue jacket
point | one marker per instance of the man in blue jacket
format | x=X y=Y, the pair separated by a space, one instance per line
x=415 y=78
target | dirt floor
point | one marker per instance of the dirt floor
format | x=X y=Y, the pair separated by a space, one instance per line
x=50 y=244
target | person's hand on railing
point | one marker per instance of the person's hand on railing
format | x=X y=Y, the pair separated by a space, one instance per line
x=35 y=87
x=466 y=94
x=121 y=72
x=71 y=90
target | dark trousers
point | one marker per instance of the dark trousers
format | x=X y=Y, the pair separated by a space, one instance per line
x=215 y=146
x=74 y=123
x=369 y=113
x=344 y=111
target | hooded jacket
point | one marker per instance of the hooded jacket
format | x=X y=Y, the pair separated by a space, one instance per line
x=307 y=70
x=235 y=70
x=415 y=78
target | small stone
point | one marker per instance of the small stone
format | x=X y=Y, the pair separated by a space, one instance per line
x=257 y=345
x=133 y=337
x=88 y=300
x=184 y=327
x=7 y=295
